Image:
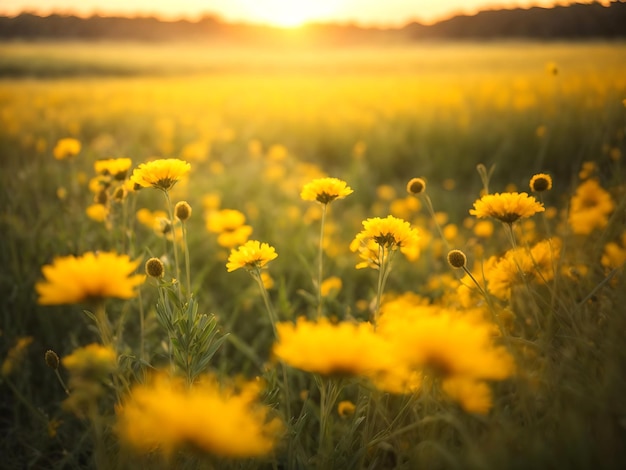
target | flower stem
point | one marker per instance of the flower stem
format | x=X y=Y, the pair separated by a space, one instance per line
x=175 y=248
x=187 y=265
x=320 y=263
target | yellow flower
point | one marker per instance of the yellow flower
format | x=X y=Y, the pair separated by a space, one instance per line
x=473 y=396
x=416 y=186
x=161 y=174
x=252 y=255
x=66 y=148
x=590 y=208
x=332 y=285
x=230 y=226
x=208 y=417
x=97 y=212
x=345 y=408
x=325 y=190
x=92 y=361
x=445 y=342
x=506 y=207
x=74 y=279
x=522 y=265
x=540 y=182
x=614 y=255
x=15 y=356
x=342 y=349
x=380 y=236
x=483 y=229
x=117 y=168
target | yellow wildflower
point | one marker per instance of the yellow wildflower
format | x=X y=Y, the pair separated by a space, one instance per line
x=590 y=207
x=380 y=236
x=74 y=279
x=230 y=226
x=332 y=285
x=345 y=408
x=342 y=349
x=445 y=342
x=92 y=361
x=473 y=396
x=66 y=148
x=325 y=190
x=97 y=212
x=208 y=417
x=416 y=186
x=506 y=207
x=15 y=356
x=540 y=182
x=117 y=168
x=252 y=255
x=161 y=174
x=522 y=265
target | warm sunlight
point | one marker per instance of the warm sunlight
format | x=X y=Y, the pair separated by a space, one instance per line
x=288 y=13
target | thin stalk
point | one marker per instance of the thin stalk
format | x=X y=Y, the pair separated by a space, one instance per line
x=431 y=211
x=320 y=262
x=187 y=265
x=175 y=248
x=256 y=274
x=102 y=322
x=384 y=268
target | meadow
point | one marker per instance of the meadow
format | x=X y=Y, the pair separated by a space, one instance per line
x=378 y=323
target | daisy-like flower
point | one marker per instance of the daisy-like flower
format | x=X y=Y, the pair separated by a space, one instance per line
x=213 y=418
x=381 y=236
x=230 y=226
x=522 y=265
x=445 y=343
x=161 y=174
x=75 y=279
x=540 y=182
x=117 y=168
x=325 y=190
x=252 y=255
x=91 y=361
x=342 y=349
x=590 y=207
x=66 y=148
x=506 y=207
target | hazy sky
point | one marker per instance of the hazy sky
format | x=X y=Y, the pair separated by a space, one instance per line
x=281 y=12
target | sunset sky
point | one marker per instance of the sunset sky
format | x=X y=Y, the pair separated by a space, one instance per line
x=277 y=12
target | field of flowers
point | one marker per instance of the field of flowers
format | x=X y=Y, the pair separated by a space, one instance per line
x=367 y=258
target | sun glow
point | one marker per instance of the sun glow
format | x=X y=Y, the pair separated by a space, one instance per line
x=289 y=13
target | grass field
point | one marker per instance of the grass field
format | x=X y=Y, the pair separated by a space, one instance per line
x=514 y=359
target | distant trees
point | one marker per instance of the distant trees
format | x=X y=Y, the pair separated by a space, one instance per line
x=577 y=21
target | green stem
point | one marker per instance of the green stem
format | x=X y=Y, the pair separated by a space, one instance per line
x=384 y=268
x=187 y=264
x=174 y=247
x=104 y=327
x=320 y=263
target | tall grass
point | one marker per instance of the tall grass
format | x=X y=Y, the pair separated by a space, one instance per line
x=258 y=125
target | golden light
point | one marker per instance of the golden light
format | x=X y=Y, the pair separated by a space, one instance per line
x=288 y=13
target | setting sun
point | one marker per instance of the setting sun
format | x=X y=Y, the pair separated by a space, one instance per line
x=286 y=13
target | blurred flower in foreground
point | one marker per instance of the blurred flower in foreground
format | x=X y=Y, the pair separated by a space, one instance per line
x=74 y=279
x=216 y=419
x=252 y=255
x=325 y=190
x=161 y=174
x=66 y=148
x=590 y=208
x=506 y=207
x=342 y=349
